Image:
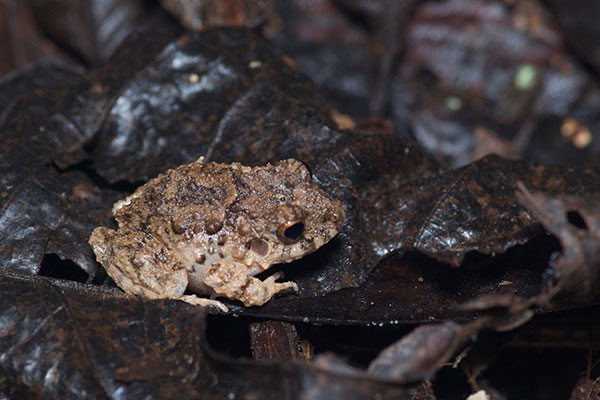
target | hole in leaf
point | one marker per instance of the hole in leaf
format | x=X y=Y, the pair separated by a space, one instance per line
x=55 y=267
x=576 y=220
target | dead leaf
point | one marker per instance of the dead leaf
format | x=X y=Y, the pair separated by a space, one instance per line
x=94 y=28
x=420 y=353
x=575 y=221
x=472 y=208
x=56 y=335
x=48 y=205
x=196 y=15
x=52 y=213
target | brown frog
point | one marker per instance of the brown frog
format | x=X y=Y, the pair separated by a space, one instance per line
x=209 y=228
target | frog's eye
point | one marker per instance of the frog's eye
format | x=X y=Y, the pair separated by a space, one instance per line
x=290 y=231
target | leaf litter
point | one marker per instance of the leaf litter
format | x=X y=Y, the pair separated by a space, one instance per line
x=409 y=222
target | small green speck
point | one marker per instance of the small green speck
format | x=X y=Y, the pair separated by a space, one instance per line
x=453 y=103
x=525 y=77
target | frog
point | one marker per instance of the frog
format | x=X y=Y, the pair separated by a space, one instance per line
x=205 y=230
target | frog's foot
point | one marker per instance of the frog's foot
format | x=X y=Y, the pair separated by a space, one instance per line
x=260 y=292
x=249 y=290
x=279 y=286
x=202 y=302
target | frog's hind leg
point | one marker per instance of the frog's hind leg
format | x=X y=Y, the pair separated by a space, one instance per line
x=141 y=265
x=138 y=263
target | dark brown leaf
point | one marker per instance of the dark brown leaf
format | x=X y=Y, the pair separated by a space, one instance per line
x=420 y=353
x=52 y=213
x=93 y=28
x=336 y=53
x=576 y=222
x=500 y=67
x=21 y=40
x=202 y=14
x=415 y=288
x=44 y=127
x=472 y=208
x=37 y=77
x=578 y=20
x=57 y=336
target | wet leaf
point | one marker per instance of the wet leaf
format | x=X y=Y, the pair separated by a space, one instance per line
x=472 y=208
x=228 y=94
x=202 y=14
x=578 y=21
x=93 y=29
x=38 y=76
x=498 y=67
x=420 y=353
x=21 y=41
x=42 y=133
x=576 y=222
x=417 y=289
x=336 y=53
x=55 y=335
x=55 y=342
x=52 y=213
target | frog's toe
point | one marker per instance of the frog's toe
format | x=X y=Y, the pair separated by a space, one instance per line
x=287 y=285
x=202 y=302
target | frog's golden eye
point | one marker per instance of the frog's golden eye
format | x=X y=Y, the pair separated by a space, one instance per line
x=290 y=232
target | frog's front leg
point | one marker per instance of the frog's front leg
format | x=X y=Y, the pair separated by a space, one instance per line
x=142 y=266
x=233 y=282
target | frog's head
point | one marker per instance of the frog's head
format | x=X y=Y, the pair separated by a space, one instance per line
x=286 y=215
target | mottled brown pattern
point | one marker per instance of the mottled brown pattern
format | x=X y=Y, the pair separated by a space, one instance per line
x=228 y=215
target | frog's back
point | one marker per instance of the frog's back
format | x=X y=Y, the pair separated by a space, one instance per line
x=188 y=198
